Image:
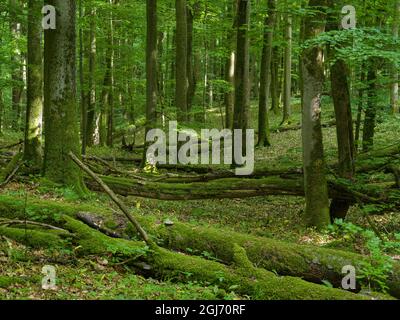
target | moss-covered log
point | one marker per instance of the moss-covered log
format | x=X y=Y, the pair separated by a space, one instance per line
x=308 y=262
x=164 y=264
x=234 y=188
x=11 y=167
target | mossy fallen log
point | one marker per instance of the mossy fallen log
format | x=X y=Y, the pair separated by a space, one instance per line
x=229 y=188
x=311 y=263
x=11 y=168
x=222 y=188
x=33 y=238
x=241 y=274
x=308 y=262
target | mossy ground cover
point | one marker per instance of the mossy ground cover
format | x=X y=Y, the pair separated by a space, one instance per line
x=90 y=278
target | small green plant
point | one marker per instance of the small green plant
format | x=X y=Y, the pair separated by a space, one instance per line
x=375 y=270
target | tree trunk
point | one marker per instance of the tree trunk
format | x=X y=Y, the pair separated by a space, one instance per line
x=394 y=92
x=106 y=112
x=110 y=106
x=92 y=81
x=275 y=81
x=229 y=96
x=151 y=69
x=315 y=185
x=359 y=109
x=265 y=77
x=242 y=83
x=1 y=110
x=181 y=87
x=83 y=106
x=151 y=65
x=340 y=91
x=34 y=109
x=370 y=113
x=190 y=73
x=16 y=64
x=287 y=92
x=61 y=113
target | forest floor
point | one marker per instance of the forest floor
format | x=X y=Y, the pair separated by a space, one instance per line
x=278 y=217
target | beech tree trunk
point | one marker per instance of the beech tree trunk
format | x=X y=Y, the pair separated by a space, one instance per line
x=61 y=110
x=34 y=108
x=287 y=82
x=229 y=97
x=151 y=65
x=315 y=184
x=242 y=83
x=190 y=73
x=91 y=108
x=394 y=92
x=370 y=112
x=340 y=91
x=181 y=87
x=16 y=64
x=265 y=77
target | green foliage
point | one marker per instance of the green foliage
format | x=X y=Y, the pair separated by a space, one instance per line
x=374 y=271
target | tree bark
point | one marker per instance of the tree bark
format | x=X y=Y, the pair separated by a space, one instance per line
x=61 y=113
x=181 y=87
x=190 y=72
x=394 y=92
x=229 y=97
x=151 y=65
x=340 y=91
x=242 y=83
x=315 y=184
x=370 y=112
x=91 y=108
x=33 y=128
x=265 y=77
x=16 y=64
x=287 y=93
x=83 y=97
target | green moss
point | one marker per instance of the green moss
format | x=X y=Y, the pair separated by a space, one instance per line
x=10 y=167
x=94 y=242
x=6 y=281
x=308 y=262
x=41 y=210
x=240 y=258
x=196 y=190
x=33 y=238
x=257 y=283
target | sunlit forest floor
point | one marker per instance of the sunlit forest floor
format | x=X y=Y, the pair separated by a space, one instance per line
x=273 y=216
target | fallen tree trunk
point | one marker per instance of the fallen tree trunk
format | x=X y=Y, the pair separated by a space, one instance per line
x=311 y=263
x=229 y=188
x=331 y=123
x=164 y=264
